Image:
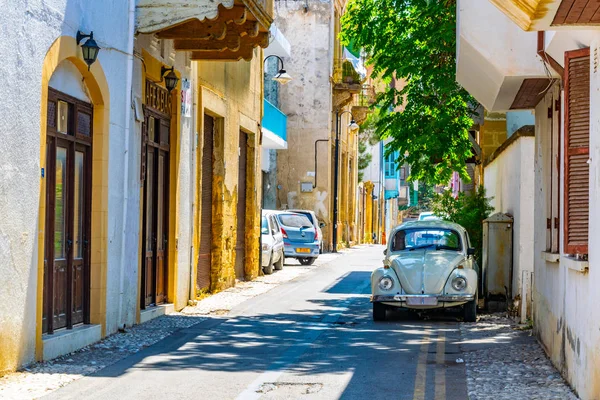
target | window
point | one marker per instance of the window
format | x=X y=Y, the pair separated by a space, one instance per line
x=421 y=238
x=577 y=142
x=264 y=229
x=390 y=165
x=549 y=159
x=295 y=221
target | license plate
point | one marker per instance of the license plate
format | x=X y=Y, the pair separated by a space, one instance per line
x=421 y=301
x=302 y=250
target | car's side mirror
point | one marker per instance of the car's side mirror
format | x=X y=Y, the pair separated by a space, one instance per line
x=385 y=252
x=322 y=224
x=470 y=251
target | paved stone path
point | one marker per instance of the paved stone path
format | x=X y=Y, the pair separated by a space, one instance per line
x=505 y=362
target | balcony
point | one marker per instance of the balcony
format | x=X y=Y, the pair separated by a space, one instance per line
x=497 y=62
x=274 y=127
x=536 y=15
x=226 y=30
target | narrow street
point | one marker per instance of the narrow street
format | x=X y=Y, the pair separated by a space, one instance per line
x=312 y=337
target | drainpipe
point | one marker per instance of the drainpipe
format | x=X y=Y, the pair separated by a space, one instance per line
x=127 y=153
x=541 y=51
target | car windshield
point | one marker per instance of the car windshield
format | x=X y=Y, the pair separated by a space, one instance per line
x=264 y=229
x=419 y=238
x=295 y=220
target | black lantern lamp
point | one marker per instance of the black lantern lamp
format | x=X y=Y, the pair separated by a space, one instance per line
x=171 y=78
x=89 y=49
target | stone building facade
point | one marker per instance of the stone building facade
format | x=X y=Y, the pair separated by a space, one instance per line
x=311 y=101
x=130 y=182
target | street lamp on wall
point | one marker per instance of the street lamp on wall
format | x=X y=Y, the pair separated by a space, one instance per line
x=281 y=76
x=353 y=126
x=89 y=49
x=171 y=78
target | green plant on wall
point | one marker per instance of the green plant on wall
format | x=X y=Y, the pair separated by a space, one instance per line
x=467 y=210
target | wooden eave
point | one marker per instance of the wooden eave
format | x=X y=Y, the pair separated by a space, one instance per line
x=537 y=15
x=231 y=33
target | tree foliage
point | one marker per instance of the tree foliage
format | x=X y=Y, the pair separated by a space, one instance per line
x=467 y=210
x=415 y=41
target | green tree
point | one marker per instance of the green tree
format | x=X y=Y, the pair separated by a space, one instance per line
x=467 y=210
x=415 y=42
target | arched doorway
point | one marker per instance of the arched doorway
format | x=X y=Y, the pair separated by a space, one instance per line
x=68 y=172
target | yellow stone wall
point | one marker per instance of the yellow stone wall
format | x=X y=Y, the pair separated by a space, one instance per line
x=232 y=93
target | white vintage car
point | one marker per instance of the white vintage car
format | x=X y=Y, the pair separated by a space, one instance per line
x=428 y=264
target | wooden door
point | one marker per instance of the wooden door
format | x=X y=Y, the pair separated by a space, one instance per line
x=156 y=209
x=240 y=246
x=204 y=253
x=68 y=176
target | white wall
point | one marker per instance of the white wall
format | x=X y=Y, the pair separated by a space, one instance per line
x=28 y=29
x=566 y=299
x=509 y=181
x=490 y=49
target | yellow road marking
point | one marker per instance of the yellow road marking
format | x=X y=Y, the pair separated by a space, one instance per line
x=440 y=370
x=421 y=376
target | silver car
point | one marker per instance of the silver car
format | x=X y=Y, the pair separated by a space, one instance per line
x=272 y=243
x=428 y=264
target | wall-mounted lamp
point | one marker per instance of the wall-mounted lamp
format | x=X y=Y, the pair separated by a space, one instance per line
x=171 y=78
x=90 y=48
x=281 y=76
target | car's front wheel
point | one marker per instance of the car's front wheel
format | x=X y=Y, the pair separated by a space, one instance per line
x=471 y=310
x=307 y=260
x=379 y=311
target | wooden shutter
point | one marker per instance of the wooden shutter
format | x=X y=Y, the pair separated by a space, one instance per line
x=577 y=142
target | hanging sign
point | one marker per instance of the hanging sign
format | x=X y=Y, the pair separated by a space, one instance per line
x=186 y=98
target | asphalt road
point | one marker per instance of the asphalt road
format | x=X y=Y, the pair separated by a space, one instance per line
x=310 y=338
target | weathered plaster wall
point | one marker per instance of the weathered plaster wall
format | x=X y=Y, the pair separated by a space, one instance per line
x=566 y=312
x=23 y=61
x=232 y=93
x=509 y=182
x=158 y=53
x=492 y=134
x=306 y=100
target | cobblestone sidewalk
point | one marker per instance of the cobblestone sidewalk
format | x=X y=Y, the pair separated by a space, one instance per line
x=40 y=379
x=504 y=362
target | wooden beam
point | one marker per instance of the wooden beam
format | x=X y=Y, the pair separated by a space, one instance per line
x=226 y=55
x=232 y=42
x=236 y=14
x=195 y=29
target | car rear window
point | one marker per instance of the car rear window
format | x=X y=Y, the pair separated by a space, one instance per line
x=295 y=220
x=439 y=238
x=307 y=215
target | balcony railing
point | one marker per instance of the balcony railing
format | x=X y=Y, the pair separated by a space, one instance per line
x=275 y=121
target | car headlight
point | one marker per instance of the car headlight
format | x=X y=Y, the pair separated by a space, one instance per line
x=386 y=283
x=459 y=283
